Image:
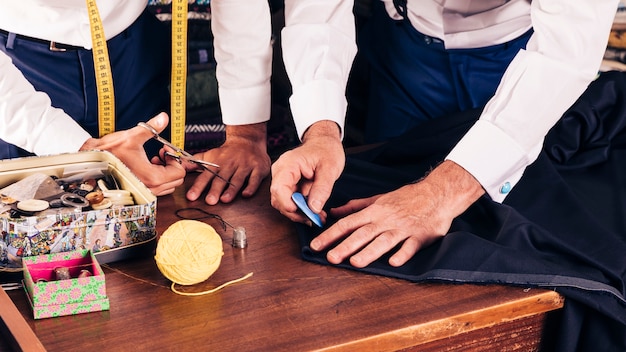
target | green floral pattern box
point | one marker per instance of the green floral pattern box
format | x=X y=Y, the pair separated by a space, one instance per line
x=52 y=296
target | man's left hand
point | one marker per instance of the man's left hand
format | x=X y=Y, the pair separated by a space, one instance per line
x=243 y=160
x=415 y=215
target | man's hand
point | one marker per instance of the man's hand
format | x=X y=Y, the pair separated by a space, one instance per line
x=243 y=160
x=127 y=146
x=415 y=215
x=311 y=169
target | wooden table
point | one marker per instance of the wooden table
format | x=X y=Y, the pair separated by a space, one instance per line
x=289 y=304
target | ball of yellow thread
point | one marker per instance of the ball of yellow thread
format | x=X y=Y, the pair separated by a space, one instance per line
x=189 y=252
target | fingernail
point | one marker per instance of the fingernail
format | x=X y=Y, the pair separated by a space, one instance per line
x=226 y=197
x=161 y=120
x=210 y=200
x=315 y=244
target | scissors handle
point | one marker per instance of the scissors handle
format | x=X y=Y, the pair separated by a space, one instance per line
x=163 y=140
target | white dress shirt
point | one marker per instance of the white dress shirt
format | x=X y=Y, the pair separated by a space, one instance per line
x=562 y=57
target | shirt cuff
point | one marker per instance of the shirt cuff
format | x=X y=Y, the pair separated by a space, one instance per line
x=492 y=157
x=243 y=106
x=316 y=101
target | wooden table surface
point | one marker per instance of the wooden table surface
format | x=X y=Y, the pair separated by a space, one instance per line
x=289 y=304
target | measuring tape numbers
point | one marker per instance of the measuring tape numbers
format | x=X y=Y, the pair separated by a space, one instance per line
x=104 y=77
x=179 y=72
x=102 y=68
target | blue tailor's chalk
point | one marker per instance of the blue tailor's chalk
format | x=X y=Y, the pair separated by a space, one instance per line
x=300 y=201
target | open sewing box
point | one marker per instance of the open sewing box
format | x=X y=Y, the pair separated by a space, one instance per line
x=112 y=234
x=49 y=297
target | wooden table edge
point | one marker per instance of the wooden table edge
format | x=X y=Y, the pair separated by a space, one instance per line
x=14 y=327
x=408 y=337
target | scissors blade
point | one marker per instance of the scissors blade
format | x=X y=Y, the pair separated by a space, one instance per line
x=182 y=154
x=204 y=164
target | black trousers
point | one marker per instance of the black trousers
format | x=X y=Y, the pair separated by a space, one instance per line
x=562 y=227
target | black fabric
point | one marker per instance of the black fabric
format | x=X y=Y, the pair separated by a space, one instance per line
x=562 y=227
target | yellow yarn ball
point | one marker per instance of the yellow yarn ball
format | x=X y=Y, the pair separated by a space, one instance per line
x=189 y=252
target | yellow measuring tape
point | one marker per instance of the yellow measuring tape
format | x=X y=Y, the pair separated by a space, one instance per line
x=102 y=67
x=104 y=77
x=179 y=72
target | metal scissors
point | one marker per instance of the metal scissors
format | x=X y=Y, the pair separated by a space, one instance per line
x=182 y=154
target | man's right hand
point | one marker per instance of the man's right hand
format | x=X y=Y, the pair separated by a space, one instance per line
x=127 y=145
x=311 y=169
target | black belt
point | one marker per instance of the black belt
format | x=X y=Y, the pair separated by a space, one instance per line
x=53 y=46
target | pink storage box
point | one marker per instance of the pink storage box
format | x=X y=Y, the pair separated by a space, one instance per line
x=52 y=298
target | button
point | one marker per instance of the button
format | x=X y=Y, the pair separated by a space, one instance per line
x=74 y=200
x=33 y=205
x=506 y=188
x=104 y=204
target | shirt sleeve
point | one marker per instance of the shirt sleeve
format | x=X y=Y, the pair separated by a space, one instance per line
x=242 y=33
x=28 y=119
x=319 y=46
x=561 y=59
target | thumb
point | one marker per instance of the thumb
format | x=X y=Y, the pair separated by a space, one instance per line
x=159 y=122
x=320 y=192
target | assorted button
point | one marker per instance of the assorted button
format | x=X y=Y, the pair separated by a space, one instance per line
x=33 y=205
x=81 y=195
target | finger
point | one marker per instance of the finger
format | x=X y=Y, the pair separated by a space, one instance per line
x=163 y=179
x=159 y=123
x=216 y=189
x=167 y=187
x=248 y=180
x=161 y=192
x=381 y=244
x=410 y=246
x=321 y=188
x=353 y=243
x=351 y=207
x=155 y=160
x=337 y=231
x=237 y=181
x=174 y=170
x=199 y=185
x=284 y=183
x=253 y=183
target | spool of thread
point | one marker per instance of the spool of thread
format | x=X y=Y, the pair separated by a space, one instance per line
x=189 y=252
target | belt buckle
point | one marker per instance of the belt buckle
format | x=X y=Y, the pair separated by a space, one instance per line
x=53 y=47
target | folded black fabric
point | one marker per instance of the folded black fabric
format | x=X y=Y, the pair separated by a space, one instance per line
x=562 y=227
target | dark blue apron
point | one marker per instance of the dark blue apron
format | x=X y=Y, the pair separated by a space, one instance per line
x=140 y=63
x=414 y=78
